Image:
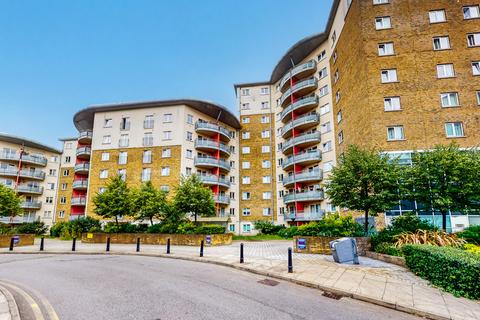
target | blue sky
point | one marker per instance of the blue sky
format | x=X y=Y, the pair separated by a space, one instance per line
x=57 y=57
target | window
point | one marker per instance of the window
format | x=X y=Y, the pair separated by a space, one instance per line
x=53 y=172
x=336 y=76
x=246 y=120
x=334 y=35
x=167 y=135
x=245 y=92
x=53 y=159
x=107 y=123
x=323 y=91
x=478 y=97
x=380 y=1
x=476 y=68
x=265 y=149
x=339 y=116
x=266 y=179
x=123 y=142
x=107 y=139
x=125 y=123
x=441 y=43
x=473 y=39
x=395 y=133
x=267 y=211
x=245 y=150
x=51 y=186
x=68 y=145
x=266 y=164
x=148 y=139
x=122 y=173
x=68 y=159
x=103 y=174
x=326 y=127
x=66 y=173
x=105 y=156
x=188 y=171
x=61 y=214
x=231 y=227
x=265 y=119
x=386 y=49
x=322 y=55
x=449 y=99
x=146 y=174
x=322 y=73
x=189 y=119
x=266 y=134
x=63 y=200
x=437 y=16
x=49 y=200
x=147 y=156
x=166 y=153
x=148 y=122
x=264 y=90
x=167 y=117
x=165 y=171
x=245 y=180
x=471 y=12
x=189 y=136
x=445 y=70
x=454 y=129
x=334 y=56
x=64 y=186
x=101 y=190
x=324 y=109
x=246 y=165
x=245 y=106
x=247 y=227
x=265 y=105
x=383 y=23
x=122 y=157
x=189 y=154
x=337 y=96
x=245 y=195
x=391 y=103
x=327 y=146
x=327 y=166
x=389 y=75
x=165 y=188
x=246 y=211
x=267 y=195
x=340 y=137
x=246 y=135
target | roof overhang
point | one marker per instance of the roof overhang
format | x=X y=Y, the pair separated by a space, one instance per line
x=27 y=142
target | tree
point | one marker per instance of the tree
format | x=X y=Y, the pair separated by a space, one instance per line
x=445 y=179
x=149 y=202
x=192 y=197
x=365 y=180
x=9 y=202
x=115 y=201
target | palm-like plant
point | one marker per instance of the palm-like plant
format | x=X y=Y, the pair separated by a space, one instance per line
x=434 y=238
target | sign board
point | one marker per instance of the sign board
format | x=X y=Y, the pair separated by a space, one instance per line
x=89 y=235
x=208 y=240
x=301 y=244
x=16 y=240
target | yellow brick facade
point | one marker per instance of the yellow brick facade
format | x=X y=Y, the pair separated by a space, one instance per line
x=64 y=193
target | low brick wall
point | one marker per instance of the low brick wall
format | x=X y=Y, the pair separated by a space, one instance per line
x=157 y=238
x=23 y=240
x=399 y=261
x=321 y=245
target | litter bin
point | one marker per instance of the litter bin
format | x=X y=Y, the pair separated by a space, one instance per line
x=344 y=250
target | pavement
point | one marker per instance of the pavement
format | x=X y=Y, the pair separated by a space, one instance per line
x=8 y=306
x=372 y=281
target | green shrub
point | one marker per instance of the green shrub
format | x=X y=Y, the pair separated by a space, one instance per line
x=124 y=227
x=267 y=227
x=332 y=225
x=5 y=229
x=472 y=248
x=186 y=227
x=37 y=228
x=163 y=227
x=75 y=228
x=388 y=248
x=57 y=228
x=210 y=229
x=452 y=269
x=288 y=232
x=471 y=234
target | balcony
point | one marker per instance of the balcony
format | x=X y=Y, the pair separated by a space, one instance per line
x=26 y=158
x=210 y=162
x=221 y=199
x=31 y=205
x=210 y=129
x=300 y=106
x=300 y=89
x=301 y=71
x=84 y=153
x=78 y=201
x=82 y=168
x=211 y=179
x=303 y=176
x=80 y=184
x=303 y=122
x=305 y=215
x=27 y=189
x=18 y=219
x=209 y=145
x=303 y=158
x=85 y=137
x=303 y=196
x=29 y=174
x=304 y=140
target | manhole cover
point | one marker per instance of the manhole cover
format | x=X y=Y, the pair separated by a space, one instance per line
x=269 y=282
x=331 y=295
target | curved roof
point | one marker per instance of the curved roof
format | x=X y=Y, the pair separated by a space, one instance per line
x=27 y=142
x=83 y=119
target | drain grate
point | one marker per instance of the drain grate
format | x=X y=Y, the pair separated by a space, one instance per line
x=269 y=282
x=332 y=295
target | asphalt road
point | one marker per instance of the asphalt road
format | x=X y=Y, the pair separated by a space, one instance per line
x=103 y=287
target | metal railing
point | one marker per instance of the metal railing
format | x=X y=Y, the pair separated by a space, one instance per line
x=33 y=174
x=84 y=151
x=313 y=175
x=309 y=100
x=78 y=201
x=212 y=144
x=213 y=179
x=218 y=198
x=212 y=161
x=303 y=196
x=80 y=183
x=82 y=167
x=85 y=134
x=24 y=188
x=308 y=118
x=25 y=158
x=312 y=82
x=31 y=205
x=296 y=70
x=213 y=127
x=314 y=136
x=305 y=215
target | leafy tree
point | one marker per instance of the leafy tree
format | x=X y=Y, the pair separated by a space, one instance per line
x=192 y=197
x=445 y=178
x=115 y=201
x=9 y=202
x=365 y=180
x=149 y=202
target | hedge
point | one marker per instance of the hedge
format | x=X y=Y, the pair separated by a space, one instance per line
x=454 y=270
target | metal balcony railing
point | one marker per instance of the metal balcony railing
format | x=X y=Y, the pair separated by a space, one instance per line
x=26 y=158
x=309 y=65
x=208 y=143
x=302 y=157
x=84 y=151
x=306 y=175
x=78 y=201
x=13 y=172
x=200 y=125
x=210 y=161
x=80 y=184
x=85 y=135
x=305 y=215
x=29 y=189
x=304 y=196
x=312 y=82
x=221 y=199
x=305 y=101
x=82 y=167
x=304 y=119
x=31 y=205
x=213 y=179
x=307 y=137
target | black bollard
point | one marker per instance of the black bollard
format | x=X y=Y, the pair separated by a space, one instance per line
x=138 y=244
x=11 y=244
x=290 y=261
x=42 y=240
x=241 y=252
x=108 y=244
x=74 y=244
x=168 y=246
x=201 y=248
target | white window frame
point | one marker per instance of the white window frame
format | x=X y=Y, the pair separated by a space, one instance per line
x=437 y=16
x=468 y=10
x=383 y=23
x=449 y=97
x=398 y=133
x=443 y=43
x=392 y=103
x=386 y=49
x=389 y=76
x=445 y=70
x=454 y=129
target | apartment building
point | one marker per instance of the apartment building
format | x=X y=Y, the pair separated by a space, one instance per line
x=31 y=169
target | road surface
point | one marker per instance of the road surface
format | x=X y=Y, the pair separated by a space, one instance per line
x=108 y=287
